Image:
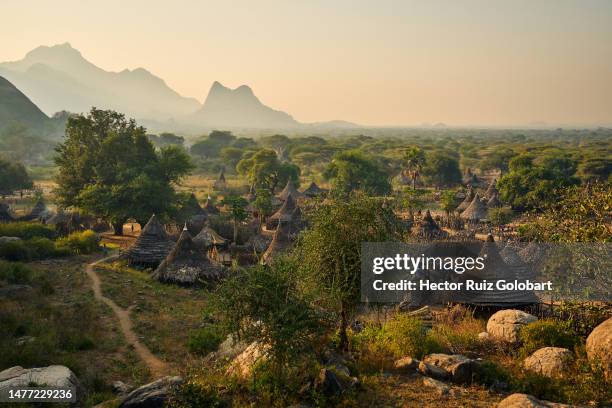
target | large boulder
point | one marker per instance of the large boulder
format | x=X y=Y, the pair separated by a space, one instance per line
x=51 y=376
x=406 y=364
x=529 y=401
x=432 y=371
x=242 y=365
x=599 y=346
x=551 y=362
x=506 y=324
x=459 y=368
x=152 y=395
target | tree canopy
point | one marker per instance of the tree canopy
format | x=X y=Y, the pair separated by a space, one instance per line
x=352 y=170
x=13 y=176
x=263 y=169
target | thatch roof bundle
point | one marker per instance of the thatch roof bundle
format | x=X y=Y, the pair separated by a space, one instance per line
x=187 y=264
x=220 y=183
x=5 y=213
x=208 y=237
x=510 y=255
x=193 y=214
x=428 y=229
x=491 y=190
x=209 y=207
x=466 y=201
x=38 y=212
x=152 y=245
x=285 y=214
x=313 y=190
x=281 y=242
x=289 y=190
x=476 y=211
x=494 y=201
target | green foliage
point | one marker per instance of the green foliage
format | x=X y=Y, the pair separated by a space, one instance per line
x=166 y=139
x=499 y=216
x=211 y=146
x=205 y=340
x=441 y=169
x=84 y=242
x=237 y=206
x=263 y=169
x=13 y=176
x=582 y=317
x=448 y=201
x=498 y=159
x=413 y=161
x=547 y=333
x=26 y=230
x=16 y=273
x=108 y=167
x=352 y=170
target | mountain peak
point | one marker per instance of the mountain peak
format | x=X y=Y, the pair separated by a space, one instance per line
x=64 y=50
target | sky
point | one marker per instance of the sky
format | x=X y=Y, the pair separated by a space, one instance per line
x=377 y=62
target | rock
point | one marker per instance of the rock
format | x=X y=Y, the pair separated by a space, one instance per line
x=458 y=368
x=120 y=388
x=529 y=401
x=51 y=376
x=506 y=324
x=484 y=336
x=432 y=371
x=549 y=361
x=242 y=365
x=331 y=382
x=152 y=395
x=599 y=346
x=4 y=240
x=22 y=341
x=229 y=349
x=440 y=388
x=406 y=364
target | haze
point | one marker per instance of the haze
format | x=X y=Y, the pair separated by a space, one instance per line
x=463 y=63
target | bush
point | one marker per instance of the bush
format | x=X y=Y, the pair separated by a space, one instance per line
x=27 y=230
x=84 y=242
x=15 y=251
x=205 y=340
x=16 y=273
x=35 y=248
x=547 y=333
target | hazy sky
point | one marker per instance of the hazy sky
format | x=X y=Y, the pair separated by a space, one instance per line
x=461 y=62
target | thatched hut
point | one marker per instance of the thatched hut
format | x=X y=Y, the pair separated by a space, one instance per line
x=428 y=229
x=281 y=242
x=208 y=238
x=284 y=214
x=289 y=190
x=470 y=178
x=209 y=207
x=38 y=212
x=220 y=184
x=466 y=201
x=494 y=201
x=187 y=264
x=5 y=213
x=194 y=215
x=313 y=190
x=476 y=211
x=62 y=221
x=510 y=255
x=491 y=190
x=152 y=245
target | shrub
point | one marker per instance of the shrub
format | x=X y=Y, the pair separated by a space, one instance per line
x=15 y=251
x=35 y=248
x=27 y=230
x=205 y=340
x=84 y=242
x=547 y=333
x=16 y=273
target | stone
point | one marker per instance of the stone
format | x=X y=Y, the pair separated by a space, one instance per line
x=439 y=387
x=22 y=341
x=506 y=324
x=330 y=382
x=120 y=388
x=52 y=376
x=406 y=364
x=432 y=371
x=529 y=401
x=229 y=348
x=152 y=395
x=242 y=365
x=484 y=336
x=550 y=362
x=459 y=369
x=599 y=347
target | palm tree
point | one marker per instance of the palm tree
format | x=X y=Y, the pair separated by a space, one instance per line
x=414 y=160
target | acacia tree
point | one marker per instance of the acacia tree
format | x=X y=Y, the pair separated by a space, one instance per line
x=109 y=168
x=331 y=267
x=441 y=169
x=352 y=170
x=13 y=176
x=413 y=161
x=263 y=169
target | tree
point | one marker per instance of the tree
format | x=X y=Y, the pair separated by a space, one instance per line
x=211 y=145
x=108 y=167
x=231 y=155
x=238 y=211
x=352 y=170
x=498 y=217
x=264 y=169
x=330 y=266
x=413 y=161
x=498 y=159
x=442 y=170
x=263 y=203
x=448 y=202
x=595 y=168
x=13 y=176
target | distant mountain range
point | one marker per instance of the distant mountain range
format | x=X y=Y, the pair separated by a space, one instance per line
x=58 y=78
x=16 y=107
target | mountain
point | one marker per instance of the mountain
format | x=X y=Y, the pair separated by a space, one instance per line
x=225 y=107
x=60 y=78
x=16 y=107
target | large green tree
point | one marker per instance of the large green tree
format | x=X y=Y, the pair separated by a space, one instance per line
x=108 y=167
x=413 y=161
x=352 y=170
x=441 y=169
x=13 y=176
x=263 y=169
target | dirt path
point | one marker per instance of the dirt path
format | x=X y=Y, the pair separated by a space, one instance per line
x=157 y=367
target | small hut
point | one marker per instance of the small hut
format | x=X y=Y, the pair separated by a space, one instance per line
x=289 y=190
x=313 y=190
x=475 y=212
x=5 y=213
x=209 y=207
x=281 y=242
x=220 y=184
x=466 y=201
x=491 y=190
x=208 y=238
x=428 y=229
x=470 y=178
x=494 y=201
x=284 y=214
x=62 y=222
x=152 y=245
x=194 y=215
x=38 y=212
x=187 y=264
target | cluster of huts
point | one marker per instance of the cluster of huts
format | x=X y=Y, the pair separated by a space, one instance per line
x=474 y=207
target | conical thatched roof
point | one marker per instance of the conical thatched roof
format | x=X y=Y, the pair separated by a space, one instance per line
x=281 y=242
x=476 y=211
x=209 y=207
x=284 y=214
x=259 y=242
x=494 y=201
x=220 y=183
x=152 y=245
x=466 y=201
x=5 y=213
x=192 y=206
x=290 y=189
x=428 y=229
x=491 y=190
x=193 y=214
x=38 y=211
x=208 y=237
x=313 y=190
x=187 y=264
x=532 y=253
x=495 y=269
x=510 y=255
x=60 y=217
x=469 y=178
